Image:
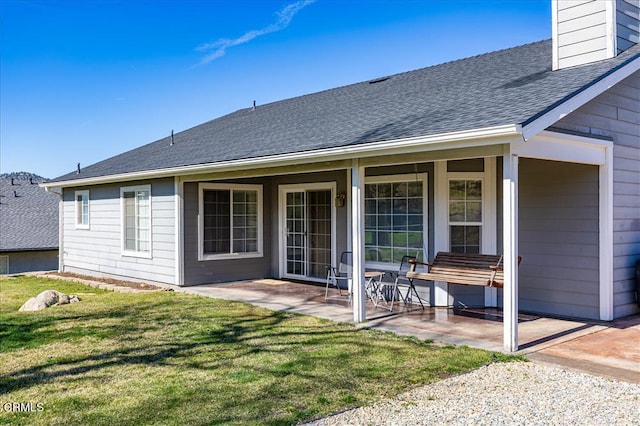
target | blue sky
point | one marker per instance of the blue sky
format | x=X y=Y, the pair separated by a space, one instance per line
x=81 y=81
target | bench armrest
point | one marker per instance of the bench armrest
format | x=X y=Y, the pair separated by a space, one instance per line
x=417 y=262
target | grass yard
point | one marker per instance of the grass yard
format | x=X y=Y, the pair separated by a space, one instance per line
x=171 y=358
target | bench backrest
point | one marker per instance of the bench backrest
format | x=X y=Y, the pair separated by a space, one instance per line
x=464 y=268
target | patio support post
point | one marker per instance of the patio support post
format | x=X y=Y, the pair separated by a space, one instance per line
x=357 y=235
x=606 y=236
x=441 y=230
x=510 y=243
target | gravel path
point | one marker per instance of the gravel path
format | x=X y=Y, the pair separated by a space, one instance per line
x=506 y=394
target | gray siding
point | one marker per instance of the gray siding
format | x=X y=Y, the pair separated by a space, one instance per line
x=558 y=215
x=582 y=30
x=29 y=261
x=616 y=113
x=216 y=271
x=627 y=23
x=97 y=251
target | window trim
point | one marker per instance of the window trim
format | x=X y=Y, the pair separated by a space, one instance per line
x=483 y=208
x=202 y=256
x=78 y=205
x=491 y=207
x=132 y=253
x=408 y=177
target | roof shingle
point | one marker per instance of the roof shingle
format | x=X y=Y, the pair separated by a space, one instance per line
x=28 y=215
x=510 y=86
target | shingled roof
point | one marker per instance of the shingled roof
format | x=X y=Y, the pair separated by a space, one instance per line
x=507 y=87
x=28 y=214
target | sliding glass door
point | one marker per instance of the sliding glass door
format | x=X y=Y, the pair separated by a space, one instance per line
x=307 y=223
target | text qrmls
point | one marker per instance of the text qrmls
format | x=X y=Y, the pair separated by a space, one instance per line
x=22 y=407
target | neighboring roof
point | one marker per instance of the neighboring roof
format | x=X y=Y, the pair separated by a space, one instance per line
x=507 y=87
x=28 y=214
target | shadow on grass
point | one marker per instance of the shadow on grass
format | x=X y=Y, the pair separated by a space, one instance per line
x=22 y=330
x=232 y=338
x=275 y=366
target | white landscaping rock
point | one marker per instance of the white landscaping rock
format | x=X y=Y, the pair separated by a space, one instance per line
x=515 y=393
x=47 y=298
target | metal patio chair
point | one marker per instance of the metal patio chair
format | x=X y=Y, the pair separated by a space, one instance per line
x=406 y=283
x=341 y=277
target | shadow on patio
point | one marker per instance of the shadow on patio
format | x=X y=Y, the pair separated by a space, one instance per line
x=480 y=328
x=610 y=349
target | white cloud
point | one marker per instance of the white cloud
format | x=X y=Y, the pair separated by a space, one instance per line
x=218 y=48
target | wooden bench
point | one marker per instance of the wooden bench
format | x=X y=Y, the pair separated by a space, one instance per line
x=462 y=268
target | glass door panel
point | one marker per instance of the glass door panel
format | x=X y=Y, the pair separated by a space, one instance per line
x=296 y=233
x=319 y=225
x=308 y=223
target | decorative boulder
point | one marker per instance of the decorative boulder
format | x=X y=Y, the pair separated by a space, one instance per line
x=48 y=298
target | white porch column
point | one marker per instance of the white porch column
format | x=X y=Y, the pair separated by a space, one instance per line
x=489 y=214
x=510 y=243
x=441 y=231
x=357 y=236
x=606 y=236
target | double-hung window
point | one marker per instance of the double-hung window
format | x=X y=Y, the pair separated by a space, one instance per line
x=230 y=221
x=136 y=220
x=82 y=209
x=465 y=215
x=395 y=218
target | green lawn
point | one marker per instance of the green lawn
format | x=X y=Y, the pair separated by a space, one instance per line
x=171 y=358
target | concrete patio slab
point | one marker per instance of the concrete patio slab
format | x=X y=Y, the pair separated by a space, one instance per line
x=608 y=349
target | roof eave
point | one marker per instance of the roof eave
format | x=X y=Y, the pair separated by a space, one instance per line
x=27 y=249
x=566 y=106
x=487 y=135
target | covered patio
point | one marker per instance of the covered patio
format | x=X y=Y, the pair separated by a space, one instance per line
x=480 y=328
x=603 y=348
x=532 y=188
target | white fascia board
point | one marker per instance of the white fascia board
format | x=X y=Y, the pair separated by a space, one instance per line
x=443 y=140
x=575 y=102
x=556 y=146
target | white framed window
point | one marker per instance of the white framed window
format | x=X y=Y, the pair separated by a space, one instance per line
x=230 y=221
x=136 y=220
x=458 y=224
x=465 y=208
x=82 y=209
x=396 y=217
